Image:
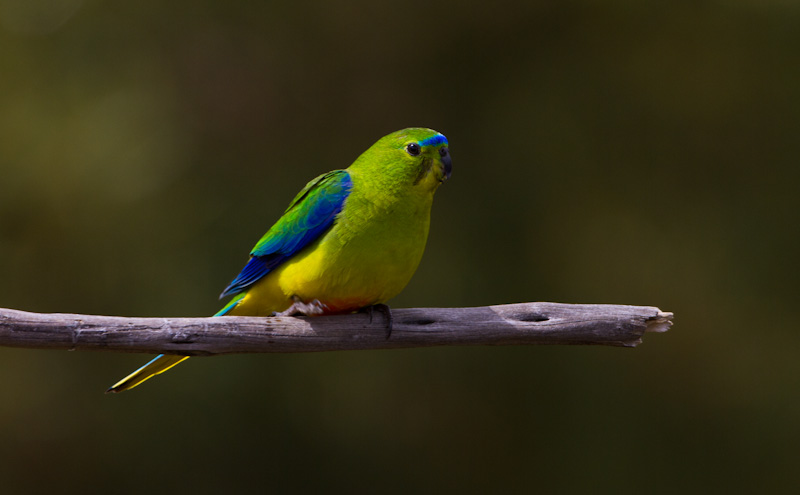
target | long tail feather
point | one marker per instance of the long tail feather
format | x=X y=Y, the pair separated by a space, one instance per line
x=231 y=304
x=160 y=364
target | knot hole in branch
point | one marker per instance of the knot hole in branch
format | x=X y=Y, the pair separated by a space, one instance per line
x=419 y=321
x=532 y=317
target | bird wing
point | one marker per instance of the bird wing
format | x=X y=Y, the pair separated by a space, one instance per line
x=310 y=214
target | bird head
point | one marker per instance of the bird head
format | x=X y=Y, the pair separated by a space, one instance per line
x=410 y=159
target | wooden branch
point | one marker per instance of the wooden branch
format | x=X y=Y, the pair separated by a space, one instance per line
x=508 y=324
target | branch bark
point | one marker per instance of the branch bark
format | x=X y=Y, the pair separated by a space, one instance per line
x=508 y=324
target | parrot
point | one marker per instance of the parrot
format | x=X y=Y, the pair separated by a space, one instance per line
x=349 y=241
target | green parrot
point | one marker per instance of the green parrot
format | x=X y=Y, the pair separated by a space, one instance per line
x=351 y=239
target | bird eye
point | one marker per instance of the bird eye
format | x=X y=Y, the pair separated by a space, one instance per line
x=412 y=149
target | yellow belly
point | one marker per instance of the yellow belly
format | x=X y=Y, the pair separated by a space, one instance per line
x=346 y=269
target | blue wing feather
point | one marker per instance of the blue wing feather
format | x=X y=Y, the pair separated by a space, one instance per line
x=309 y=215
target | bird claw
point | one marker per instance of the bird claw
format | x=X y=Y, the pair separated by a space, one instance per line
x=299 y=308
x=315 y=308
x=387 y=311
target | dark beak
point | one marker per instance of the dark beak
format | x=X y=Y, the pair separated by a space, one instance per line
x=444 y=153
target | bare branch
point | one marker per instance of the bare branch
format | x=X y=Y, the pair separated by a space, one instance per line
x=508 y=324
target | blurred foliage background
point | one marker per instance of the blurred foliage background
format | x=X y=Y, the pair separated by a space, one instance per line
x=604 y=152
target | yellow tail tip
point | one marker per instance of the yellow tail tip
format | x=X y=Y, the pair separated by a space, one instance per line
x=160 y=364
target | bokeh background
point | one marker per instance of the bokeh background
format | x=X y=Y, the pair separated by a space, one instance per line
x=630 y=152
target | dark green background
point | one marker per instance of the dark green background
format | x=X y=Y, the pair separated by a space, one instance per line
x=623 y=152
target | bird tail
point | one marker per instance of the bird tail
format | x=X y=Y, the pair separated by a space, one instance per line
x=160 y=364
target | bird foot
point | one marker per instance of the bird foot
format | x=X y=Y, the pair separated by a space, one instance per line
x=299 y=308
x=386 y=310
